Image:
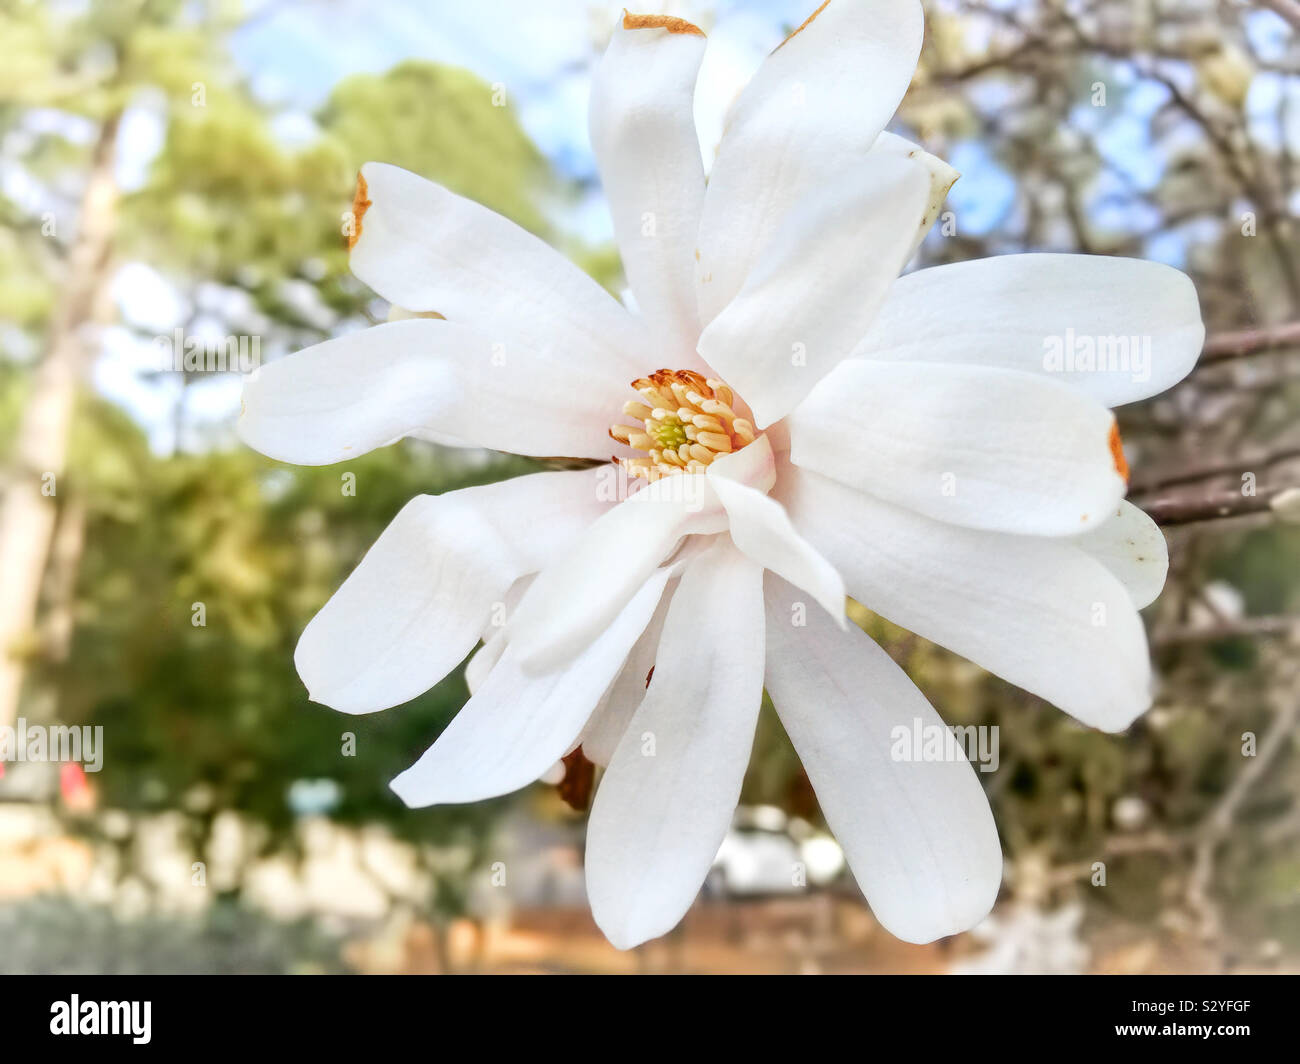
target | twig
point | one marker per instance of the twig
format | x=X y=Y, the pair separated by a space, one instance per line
x=1230 y=345
x=1215 y=827
x=1245 y=626
x=1232 y=466
x=1185 y=510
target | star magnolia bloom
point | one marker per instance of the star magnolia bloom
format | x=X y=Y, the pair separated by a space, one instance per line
x=822 y=427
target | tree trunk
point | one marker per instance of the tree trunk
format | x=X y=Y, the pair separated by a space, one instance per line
x=66 y=548
x=27 y=515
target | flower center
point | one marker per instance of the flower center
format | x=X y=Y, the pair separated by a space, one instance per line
x=684 y=421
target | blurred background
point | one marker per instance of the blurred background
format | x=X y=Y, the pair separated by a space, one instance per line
x=172 y=166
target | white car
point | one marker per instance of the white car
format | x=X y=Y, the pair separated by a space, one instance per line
x=766 y=852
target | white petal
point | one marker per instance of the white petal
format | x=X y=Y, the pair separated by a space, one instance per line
x=554 y=775
x=428 y=249
x=753 y=466
x=574 y=598
x=484 y=660
x=520 y=723
x=1142 y=319
x=918 y=835
x=760 y=527
x=973 y=445
x=643 y=136
x=942 y=177
x=510 y=601
x=396 y=313
x=367 y=389
x=818 y=283
x=664 y=805
x=1039 y=612
x=610 y=719
x=813 y=109
x=414 y=606
x=1132 y=547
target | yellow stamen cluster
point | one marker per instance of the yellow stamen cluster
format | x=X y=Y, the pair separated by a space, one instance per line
x=684 y=422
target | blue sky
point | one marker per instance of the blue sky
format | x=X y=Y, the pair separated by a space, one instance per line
x=541 y=53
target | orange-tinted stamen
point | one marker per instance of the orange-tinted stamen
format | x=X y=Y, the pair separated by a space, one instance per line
x=360 y=204
x=684 y=422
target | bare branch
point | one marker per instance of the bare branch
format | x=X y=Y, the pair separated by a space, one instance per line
x=1250 y=627
x=1230 y=345
x=1184 y=510
x=1228 y=467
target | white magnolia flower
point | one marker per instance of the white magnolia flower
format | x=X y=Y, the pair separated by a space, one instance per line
x=903 y=441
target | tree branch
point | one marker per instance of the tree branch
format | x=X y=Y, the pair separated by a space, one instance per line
x=1184 y=510
x=1229 y=467
x=1245 y=626
x=1229 y=345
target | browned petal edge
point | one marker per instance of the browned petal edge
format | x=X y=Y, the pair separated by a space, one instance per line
x=579 y=775
x=660 y=22
x=1117 y=451
x=802 y=26
x=360 y=204
x=663 y=378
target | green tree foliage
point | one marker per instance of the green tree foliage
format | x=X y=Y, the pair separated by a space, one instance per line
x=450 y=126
x=213 y=713
x=213 y=716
